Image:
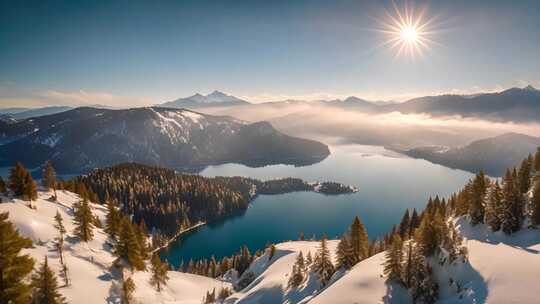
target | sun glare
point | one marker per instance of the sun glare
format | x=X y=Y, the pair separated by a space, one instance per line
x=407 y=31
x=408 y=34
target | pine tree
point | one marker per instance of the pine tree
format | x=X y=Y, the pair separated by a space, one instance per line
x=417 y=276
x=128 y=287
x=3 y=187
x=159 y=272
x=524 y=175
x=298 y=271
x=271 y=251
x=404 y=225
x=30 y=188
x=494 y=207
x=393 y=259
x=128 y=248
x=113 y=219
x=59 y=225
x=46 y=286
x=359 y=240
x=49 y=177
x=512 y=214
x=537 y=161
x=535 y=204
x=429 y=234
x=476 y=205
x=141 y=234
x=17 y=179
x=83 y=220
x=14 y=267
x=344 y=253
x=322 y=265
x=309 y=259
x=414 y=223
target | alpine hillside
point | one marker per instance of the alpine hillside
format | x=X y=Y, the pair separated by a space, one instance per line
x=86 y=138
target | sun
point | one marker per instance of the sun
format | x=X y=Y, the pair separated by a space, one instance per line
x=407 y=31
x=409 y=34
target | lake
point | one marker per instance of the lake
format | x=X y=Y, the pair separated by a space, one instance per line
x=388 y=184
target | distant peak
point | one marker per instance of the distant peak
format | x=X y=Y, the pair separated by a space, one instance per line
x=530 y=88
x=216 y=93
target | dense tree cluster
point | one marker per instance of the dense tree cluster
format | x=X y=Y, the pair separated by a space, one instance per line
x=213 y=268
x=506 y=205
x=165 y=200
x=414 y=241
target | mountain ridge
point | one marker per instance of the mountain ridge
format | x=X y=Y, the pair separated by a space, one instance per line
x=89 y=137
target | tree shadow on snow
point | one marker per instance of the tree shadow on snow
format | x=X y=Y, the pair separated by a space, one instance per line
x=522 y=239
x=271 y=295
x=396 y=294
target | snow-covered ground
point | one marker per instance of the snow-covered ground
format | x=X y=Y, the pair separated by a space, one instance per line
x=89 y=264
x=500 y=268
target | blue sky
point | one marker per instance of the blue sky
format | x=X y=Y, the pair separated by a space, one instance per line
x=143 y=52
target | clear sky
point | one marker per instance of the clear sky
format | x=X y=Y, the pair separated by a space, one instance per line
x=143 y=52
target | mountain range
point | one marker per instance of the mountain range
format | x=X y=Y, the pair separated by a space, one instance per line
x=492 y=155
x=85 y=138
x=515 y=104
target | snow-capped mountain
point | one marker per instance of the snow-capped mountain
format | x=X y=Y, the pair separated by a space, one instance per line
x=85 y=138
x=214 y=99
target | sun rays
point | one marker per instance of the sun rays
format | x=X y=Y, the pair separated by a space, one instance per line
x=407 y=31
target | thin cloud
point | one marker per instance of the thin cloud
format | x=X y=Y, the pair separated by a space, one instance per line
x=12 y=96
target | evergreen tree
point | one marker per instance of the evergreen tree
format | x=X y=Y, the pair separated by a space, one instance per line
x=14 y=267
x=59 y=225
x=512 y=214
x=359 y=240
x=83 y=220
x=3 y=187
x=537 y=161
x=309 y=259
x=46 y=286
x=404 y=225
x=49 y=177
x=141 y=234
x=159 y=272
x=30 y=188
x=524 y=175
x=535 y=204
x=494 y=207
x=17 y=179
x=271 y=251
x=298 y=271
x=128 y=287
x=128 y=248
x=478 y=193
x=393 y=259
x=322 y=265
x=344 y=253
x=430 y=233
x=414 y=223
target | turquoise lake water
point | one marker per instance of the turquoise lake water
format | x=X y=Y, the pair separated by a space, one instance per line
x=388 y=184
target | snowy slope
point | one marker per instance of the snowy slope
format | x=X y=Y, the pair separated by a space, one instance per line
x=363 y=284
x=500 y=269
x=90 y=263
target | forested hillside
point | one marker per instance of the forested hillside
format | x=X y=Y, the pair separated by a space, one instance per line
x=170 y=202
